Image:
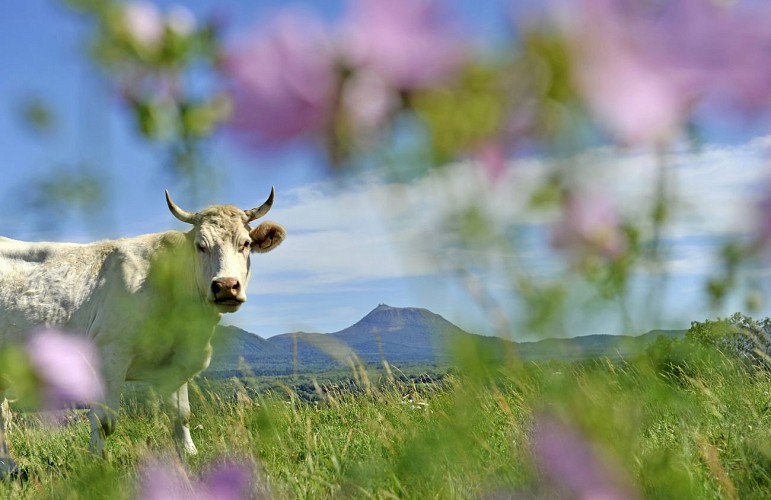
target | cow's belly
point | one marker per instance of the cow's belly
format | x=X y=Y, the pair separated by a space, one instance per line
x=171 y=366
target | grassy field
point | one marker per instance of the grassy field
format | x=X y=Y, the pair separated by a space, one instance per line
x=663 y=426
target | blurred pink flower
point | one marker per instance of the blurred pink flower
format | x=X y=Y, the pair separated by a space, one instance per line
x=590 y=225
x=282 y=81
x=637 y=103
x=408 y=43
x=144 y=23
x=492 y=157
x=68 y=367
x=643 y=66
x=167 y=480
x=571 y=462
x=180 y=20
x=228 y=481
x=368 y=101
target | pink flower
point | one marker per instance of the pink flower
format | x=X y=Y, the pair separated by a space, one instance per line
x=68 y=367
x=167 y=480
x=572 y=463
x=590 y=227
x=643 y=66
x=228 y=481
x=180 y=20
x=144 y=23
x=492 y=157
x=408 y=43
x=368 y=101
x=638 y=103
x=282 y=81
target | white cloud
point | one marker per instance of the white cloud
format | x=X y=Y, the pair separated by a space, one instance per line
x=373 y=229
x=363 y=238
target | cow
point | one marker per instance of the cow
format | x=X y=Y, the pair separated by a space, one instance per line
x=148 y=303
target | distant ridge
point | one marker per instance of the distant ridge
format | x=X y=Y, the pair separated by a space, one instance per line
x=400 y=335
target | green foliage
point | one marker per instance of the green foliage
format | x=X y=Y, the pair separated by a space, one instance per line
x=37 y=115
x=17 y=372
x=464 y=116
x=464 y=436
x=739 y=336
x=152 y=72
x=80 y=188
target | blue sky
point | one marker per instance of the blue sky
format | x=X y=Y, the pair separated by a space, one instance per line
x=348 y=247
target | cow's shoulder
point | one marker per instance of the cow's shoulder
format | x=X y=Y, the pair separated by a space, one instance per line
x=134 y=258
x=147 y=246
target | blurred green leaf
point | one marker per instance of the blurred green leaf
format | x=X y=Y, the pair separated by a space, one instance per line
x=464 y=115
x=38 y=116
x=16 y=372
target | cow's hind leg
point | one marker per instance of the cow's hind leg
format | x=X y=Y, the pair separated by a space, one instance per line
x=104 y=414
x=103 y=417
x=8 y=467
x=178 y=407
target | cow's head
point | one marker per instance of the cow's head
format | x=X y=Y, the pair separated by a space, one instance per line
x=222 y=242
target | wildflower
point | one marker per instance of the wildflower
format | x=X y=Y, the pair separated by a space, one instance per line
x=638 y=103
x=67 y=367
x=492 y=157
x=143 y=23
x=282 y=81
x=590 y=226
x=228 y=481
x=408 y=43
x=167 y=480
x=368 y=101
x=572 y=463
x=180 y=20
x=643 y=67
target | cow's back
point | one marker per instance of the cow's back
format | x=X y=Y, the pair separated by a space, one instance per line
x=46 y=283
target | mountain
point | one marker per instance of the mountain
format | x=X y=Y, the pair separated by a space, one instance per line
x=591 y=346
x=399 y=335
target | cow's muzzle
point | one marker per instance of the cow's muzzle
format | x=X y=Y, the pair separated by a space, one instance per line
x=227 y=292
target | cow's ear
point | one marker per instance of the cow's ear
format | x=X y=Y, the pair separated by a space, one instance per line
x=267 y=236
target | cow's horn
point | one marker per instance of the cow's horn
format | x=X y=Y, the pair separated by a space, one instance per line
x=256 y=213
x=180 y=214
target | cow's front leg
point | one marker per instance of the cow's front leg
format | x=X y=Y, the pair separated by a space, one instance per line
x=8 y=467
x=178 y=407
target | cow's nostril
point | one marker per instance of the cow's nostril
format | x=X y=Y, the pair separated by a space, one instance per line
x=225 y=287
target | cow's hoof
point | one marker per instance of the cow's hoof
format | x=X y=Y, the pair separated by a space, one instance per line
x=8 y=469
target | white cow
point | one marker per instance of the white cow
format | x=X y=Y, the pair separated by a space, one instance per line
x=148 y=303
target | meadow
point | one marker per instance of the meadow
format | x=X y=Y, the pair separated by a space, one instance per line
x=677 y=422
x=555 y=168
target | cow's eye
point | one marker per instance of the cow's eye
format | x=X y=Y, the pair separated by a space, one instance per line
x=247 y=245
x=200 y=247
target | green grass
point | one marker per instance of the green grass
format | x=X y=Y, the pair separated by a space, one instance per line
x=699 y=428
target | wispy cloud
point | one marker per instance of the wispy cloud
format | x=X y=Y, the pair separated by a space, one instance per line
x=357 y=241
x=373 y=229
